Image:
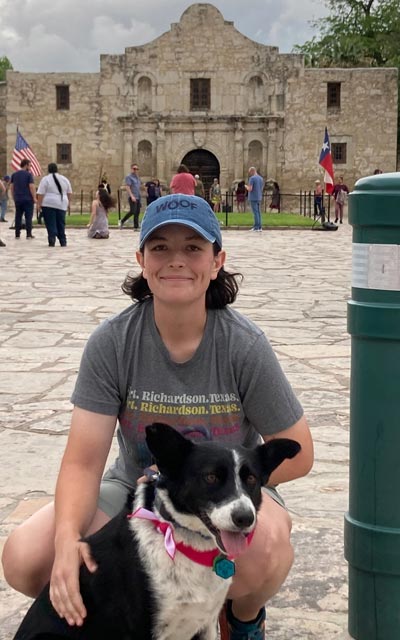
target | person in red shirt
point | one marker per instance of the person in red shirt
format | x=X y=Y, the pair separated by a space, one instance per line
x=339 y=194
x=183 y=181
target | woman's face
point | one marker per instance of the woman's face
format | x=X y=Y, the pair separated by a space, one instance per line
x=179 y=264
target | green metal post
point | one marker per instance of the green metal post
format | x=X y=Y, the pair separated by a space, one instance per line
x=372 y=524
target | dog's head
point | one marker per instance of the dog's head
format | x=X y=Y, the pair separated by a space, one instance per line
x=221 y=487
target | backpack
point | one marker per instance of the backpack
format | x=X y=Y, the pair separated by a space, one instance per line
x=341 y=197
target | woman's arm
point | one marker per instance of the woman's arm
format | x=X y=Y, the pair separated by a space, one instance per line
x=76 y=497
x=93 y=213
x=302 y=463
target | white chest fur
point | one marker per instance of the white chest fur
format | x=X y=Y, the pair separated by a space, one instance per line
x=190 y=596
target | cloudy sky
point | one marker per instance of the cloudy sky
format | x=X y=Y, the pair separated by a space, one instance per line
x=55 y=35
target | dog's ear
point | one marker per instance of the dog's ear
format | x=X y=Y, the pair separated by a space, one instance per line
x=168 y=447
x=272 y=453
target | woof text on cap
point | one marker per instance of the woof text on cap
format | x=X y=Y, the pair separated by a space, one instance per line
x=177 y=208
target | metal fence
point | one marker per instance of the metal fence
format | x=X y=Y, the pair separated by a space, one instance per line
x=301 y=203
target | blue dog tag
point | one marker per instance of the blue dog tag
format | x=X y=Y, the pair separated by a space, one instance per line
x=223 y=567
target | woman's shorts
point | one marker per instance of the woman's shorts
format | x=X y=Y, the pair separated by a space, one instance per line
x=114 y=495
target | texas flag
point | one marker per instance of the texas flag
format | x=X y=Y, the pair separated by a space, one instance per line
x=325 y=160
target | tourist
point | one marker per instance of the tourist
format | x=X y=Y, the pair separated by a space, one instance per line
x=255 y=189
x=98 y=223
x=53 y=198
x=133 y=184
x=183 y=181
x=23 y=192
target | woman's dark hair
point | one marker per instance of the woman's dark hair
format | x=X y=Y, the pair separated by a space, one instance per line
x=221 y=291
x=106 y=200
x=183 y=169
x=52 y=168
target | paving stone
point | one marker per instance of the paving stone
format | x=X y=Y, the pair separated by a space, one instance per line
x=293 y=289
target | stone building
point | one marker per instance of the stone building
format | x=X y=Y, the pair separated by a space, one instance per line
x=206 y=95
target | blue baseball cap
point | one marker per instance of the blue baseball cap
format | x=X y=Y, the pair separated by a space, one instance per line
x=179 y=208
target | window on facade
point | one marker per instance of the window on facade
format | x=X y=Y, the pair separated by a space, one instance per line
x=333 y=95
x=62 y=96
x=200 y=94
x=64 y=153
x=339 y=152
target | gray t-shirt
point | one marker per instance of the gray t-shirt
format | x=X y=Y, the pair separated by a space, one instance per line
x=232 y=389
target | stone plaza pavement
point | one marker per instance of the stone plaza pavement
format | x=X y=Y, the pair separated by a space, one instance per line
x=296 y=286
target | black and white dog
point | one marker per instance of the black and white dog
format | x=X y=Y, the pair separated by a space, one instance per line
x=165 y=564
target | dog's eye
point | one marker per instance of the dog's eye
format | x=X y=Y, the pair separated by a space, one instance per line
x=252 y=480
x=211 y=478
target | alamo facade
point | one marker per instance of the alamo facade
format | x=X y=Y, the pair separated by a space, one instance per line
x=206 y=95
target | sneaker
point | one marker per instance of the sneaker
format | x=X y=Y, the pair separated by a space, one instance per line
x=120 y=225
x=233 y=629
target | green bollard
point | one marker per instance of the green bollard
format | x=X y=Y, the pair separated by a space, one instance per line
x=372 y=524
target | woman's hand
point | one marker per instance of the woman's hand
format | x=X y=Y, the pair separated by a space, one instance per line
x=149 y=474
x=64 y=583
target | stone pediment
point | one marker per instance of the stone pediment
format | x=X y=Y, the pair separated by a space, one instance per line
x=199 y=35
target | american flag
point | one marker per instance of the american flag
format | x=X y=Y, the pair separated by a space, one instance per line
x=325 y=160
x=22 y=150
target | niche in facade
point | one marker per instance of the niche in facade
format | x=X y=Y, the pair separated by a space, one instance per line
x=145 y=156
x=255 y=155
x=255 y=95
x=144 y=95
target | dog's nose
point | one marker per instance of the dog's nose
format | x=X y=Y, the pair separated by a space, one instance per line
x=243 y=518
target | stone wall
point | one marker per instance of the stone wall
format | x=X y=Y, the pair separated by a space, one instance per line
x=366 y=122
x=266 y=109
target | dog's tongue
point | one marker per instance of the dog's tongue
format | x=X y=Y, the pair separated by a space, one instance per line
x=234 y=543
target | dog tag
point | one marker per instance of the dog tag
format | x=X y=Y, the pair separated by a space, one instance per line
x=223 y=567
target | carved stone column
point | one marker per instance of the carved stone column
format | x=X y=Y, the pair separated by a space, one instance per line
x=272 y=150
x=239 y=158
x=160 y=151
x=127 y=144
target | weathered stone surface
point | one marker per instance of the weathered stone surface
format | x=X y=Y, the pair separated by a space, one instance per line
x=138 y=108
x=38 y=369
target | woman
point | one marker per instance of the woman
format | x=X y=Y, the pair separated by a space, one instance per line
x=318 y=199
x=53 y=198
x=183 y=181
x=4 y=189
x=276 y=197
x=241 y=196
x=153 y=188
x=98 y=223
x=215 y=195
x=179 y=346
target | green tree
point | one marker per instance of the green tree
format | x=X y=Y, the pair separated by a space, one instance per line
x=356 y=34
x=4 y=65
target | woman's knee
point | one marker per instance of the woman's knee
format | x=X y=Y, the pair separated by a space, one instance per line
x=18 y=565
x=28 y=553
x=270 y=556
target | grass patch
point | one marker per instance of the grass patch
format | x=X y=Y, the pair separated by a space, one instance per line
x=232 y=219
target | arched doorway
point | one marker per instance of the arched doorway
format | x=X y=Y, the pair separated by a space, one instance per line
x=205 y=164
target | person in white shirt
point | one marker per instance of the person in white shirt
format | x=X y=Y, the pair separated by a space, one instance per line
x=53 y=196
